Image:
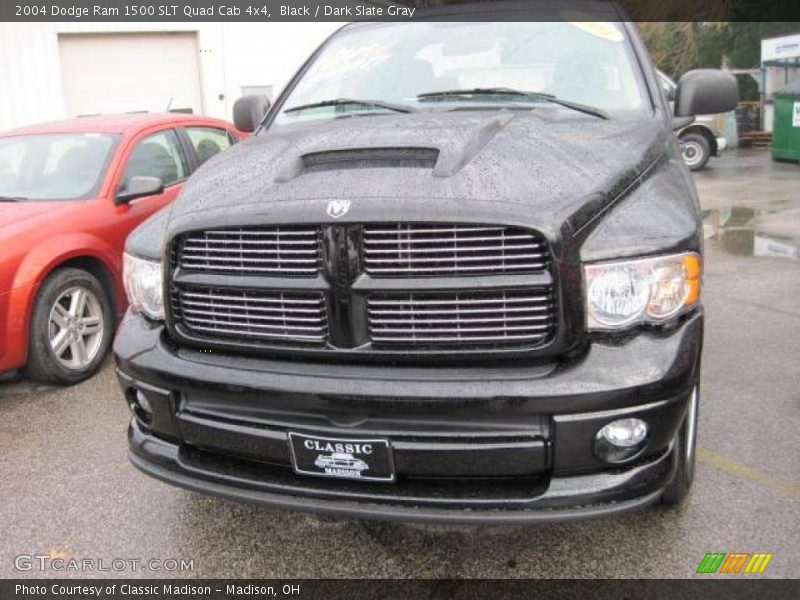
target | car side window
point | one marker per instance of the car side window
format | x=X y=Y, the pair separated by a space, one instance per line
x=158 y=155
x=208 y=141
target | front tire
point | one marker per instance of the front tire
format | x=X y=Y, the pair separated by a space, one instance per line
x=695 y=150
x=685 y=446
x=71 y=328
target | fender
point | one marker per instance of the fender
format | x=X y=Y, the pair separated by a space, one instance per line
x=34 y=268
x=45 y=256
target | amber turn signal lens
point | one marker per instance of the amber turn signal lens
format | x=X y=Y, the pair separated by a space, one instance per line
x=694 y=274
x=674 y=286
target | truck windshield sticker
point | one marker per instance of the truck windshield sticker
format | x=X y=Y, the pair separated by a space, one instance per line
x=604 y=30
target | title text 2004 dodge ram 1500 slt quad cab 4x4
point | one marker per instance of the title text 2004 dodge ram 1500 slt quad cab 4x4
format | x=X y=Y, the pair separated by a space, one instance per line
x=455 y=275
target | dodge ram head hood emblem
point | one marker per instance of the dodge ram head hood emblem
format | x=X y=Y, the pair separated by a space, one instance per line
x=338 y=208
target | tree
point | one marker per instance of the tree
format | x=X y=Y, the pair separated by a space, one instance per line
x=677 y=47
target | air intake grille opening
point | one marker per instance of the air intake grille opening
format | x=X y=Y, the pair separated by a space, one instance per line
x=252 y=316
x=371 y=158
x=429 y=250
x=461 y=320
x=281 y=251
x=243 y=288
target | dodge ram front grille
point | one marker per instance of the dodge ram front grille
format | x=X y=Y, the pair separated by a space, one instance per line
x=428 y=250
x=361 y=290
x=252 y=316
x=281 y=251
x=461 y=320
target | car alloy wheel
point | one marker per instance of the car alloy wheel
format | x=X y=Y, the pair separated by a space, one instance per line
x=692 y=153
x=76 y=328
x=695 y=150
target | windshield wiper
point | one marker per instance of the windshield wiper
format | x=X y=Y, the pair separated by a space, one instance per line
x=12 y=199
x=402 y=108
x=504 y=91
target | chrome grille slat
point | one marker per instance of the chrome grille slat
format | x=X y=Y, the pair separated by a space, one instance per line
x=463 y=311
x=453 y=269
x=215 y=259
x=416 y=228
x=437 y=329
x=193 y=319
x=426 y=250
x=457 y=258
x=460 y=339
x=465 y=320
x=456 y=320
x=252 y=297
x=423 y=240
x=445 y=249
x=193 y=312
x=258 y=270
x=193 y=304
x=261 y=232
x=459 y=301
x=259 y=243
x=286 y=251
x=252 y=315
x=201 y=251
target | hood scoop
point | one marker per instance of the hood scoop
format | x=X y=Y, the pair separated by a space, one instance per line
x=360 y=158
x=371 y=158
x=420 y=145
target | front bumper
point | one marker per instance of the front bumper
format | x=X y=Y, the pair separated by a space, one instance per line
x=500 y=444
x=14 y=319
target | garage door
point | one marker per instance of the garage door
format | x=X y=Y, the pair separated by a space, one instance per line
x=115 y=73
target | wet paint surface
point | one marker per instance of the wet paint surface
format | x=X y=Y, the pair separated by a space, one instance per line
x=542 y=167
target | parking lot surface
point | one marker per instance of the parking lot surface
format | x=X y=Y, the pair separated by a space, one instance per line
x=68 y=490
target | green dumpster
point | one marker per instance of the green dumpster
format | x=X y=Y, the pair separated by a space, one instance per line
x=786 y=123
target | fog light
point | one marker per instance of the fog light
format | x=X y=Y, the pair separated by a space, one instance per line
x=621 y=440
x=140 y=406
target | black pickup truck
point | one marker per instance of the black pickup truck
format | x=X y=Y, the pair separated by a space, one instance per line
x=454 y=276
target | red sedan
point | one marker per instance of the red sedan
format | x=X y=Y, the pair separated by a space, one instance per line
x=70 y=193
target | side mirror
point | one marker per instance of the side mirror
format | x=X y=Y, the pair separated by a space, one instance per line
x=138 y=187
x=249 y=111
x=705 y=92
x=669 y=92
x=667 y=85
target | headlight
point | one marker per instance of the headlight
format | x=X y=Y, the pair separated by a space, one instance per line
x=643 y=290
x=143 y=285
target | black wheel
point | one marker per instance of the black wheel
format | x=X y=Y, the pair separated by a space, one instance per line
x=680 y=485
x=695 y=150
x=71 y=328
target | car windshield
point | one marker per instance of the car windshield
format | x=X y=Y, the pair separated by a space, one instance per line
x=63 y=166
x=397 y=68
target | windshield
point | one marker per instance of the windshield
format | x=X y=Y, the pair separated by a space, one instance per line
x=63 y=166
x=403 y=65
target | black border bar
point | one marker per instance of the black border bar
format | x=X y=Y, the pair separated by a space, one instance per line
x=397 y=10
x=741 y=588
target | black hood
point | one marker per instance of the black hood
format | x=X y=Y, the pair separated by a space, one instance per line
x=543 y=167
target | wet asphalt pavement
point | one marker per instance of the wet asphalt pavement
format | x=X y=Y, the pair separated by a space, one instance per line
x=67 y=488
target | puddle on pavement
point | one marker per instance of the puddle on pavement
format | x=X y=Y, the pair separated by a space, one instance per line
x=746 y=231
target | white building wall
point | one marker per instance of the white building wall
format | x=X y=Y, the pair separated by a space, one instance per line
x=785 y=48
x=232 y=55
